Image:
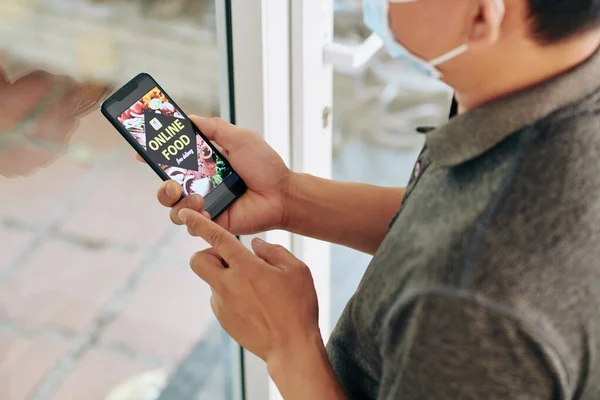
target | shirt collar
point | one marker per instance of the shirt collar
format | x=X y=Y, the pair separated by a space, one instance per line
x=473 y=133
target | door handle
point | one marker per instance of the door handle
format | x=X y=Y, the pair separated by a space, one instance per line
x=352 y=57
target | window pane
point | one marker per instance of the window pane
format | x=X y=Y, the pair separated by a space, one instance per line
x=96 y=295
x=377 y=111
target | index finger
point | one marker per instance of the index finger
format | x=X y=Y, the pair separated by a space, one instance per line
x=224 y=243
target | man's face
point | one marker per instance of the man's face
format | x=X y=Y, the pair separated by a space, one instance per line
x=430 y=28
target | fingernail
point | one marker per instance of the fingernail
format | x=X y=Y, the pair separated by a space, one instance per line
x=182 y=216
x=259 y=241
x=171 y=192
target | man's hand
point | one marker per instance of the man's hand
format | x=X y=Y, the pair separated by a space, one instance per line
x=39 y=113
x=264 y=206
x=267 y=302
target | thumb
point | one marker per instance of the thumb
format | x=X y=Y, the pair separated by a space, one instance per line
x=219 y=131
x=275 y=255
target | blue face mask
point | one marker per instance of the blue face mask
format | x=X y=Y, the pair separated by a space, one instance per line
x=376 y=16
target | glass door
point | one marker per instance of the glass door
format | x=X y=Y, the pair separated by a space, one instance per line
x=97 y=300
x=378 y=105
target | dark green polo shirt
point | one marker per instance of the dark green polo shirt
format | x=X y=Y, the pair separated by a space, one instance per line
x=487 y=285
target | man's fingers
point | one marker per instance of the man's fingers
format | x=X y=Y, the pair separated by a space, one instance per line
x=169 y=193
x=218 y=130
x=213 y=253
x=208 y=126
x=222 y=241
x=274 y=255
x=194 y=202
x=139 y=158
x=208 y=266
x=221 y=150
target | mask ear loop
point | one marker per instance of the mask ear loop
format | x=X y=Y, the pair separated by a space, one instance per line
x=501 y=7
x=465 y=47
x=449 y=55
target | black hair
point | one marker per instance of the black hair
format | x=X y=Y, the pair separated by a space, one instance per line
x=556 y=20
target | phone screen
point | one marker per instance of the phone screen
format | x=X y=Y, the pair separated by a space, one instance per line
x=170 y=140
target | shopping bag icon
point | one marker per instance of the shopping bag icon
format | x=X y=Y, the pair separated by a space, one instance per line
x=155 y=123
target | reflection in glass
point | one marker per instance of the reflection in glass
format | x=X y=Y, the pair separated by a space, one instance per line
x=96 y=297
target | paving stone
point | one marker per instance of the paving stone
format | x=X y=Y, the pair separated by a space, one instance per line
x=12 y=244
x=166 y=315
x=24 y=361
x=64 y=286
x=122 y=209
x=37 y=199
x=97 y=374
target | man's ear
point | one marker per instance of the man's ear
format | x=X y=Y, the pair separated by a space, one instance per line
x=486 y=23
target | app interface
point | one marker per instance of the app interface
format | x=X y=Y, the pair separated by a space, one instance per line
x=170 y=141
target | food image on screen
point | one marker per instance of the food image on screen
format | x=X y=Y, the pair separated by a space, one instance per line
x=169 y=139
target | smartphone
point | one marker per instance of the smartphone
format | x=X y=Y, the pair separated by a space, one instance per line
x=171 y=144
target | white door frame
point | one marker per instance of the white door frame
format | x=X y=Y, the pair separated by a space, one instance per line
x=227 y=111
x=312 y=120
x=260 y=32
x=282 y=89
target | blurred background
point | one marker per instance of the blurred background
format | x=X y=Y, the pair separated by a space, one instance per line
x=96 y=297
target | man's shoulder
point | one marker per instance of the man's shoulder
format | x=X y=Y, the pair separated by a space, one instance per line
x=547 y=208
x=572 y=128
x=537 y=249
x=541 y=228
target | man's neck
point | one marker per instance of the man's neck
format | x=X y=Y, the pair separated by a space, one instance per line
x=524 y=68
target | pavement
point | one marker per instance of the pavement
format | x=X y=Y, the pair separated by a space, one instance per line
x=94 y=279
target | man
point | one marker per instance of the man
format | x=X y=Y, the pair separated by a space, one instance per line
x=485 y=285
x=40 y=111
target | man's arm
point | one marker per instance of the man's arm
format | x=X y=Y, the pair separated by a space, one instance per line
x=304 y=372
x=446 y=347
x=349 y=214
